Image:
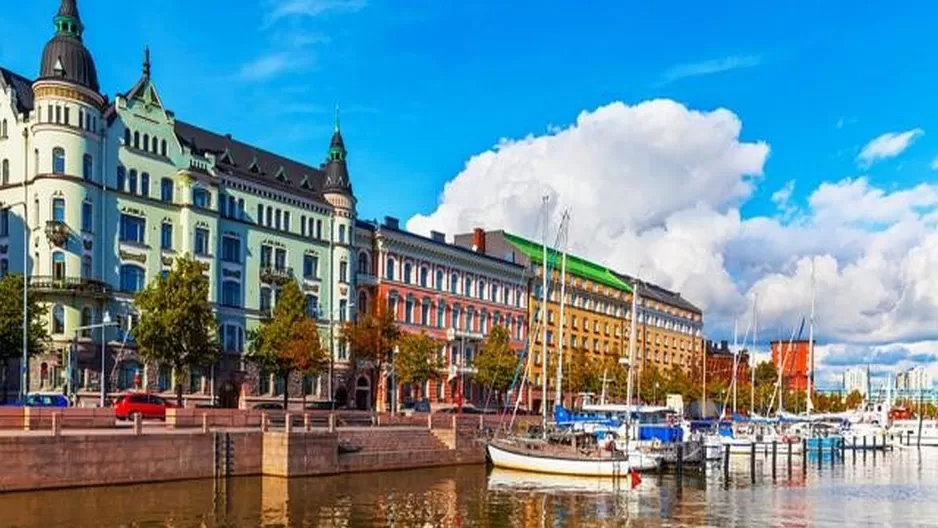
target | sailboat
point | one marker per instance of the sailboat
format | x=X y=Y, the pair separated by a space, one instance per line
x=566 y=451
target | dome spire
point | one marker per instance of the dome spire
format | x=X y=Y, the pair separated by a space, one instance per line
x=67 y=21
x=337 y=179
x=146 y=61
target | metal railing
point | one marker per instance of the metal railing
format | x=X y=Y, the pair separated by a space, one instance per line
x=76 y=285
x=276 y=275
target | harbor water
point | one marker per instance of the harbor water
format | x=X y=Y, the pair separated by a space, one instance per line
x=899 y=488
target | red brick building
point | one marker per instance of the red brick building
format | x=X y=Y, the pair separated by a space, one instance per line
x=455 y=294
x=791 y=358
x=720 y=363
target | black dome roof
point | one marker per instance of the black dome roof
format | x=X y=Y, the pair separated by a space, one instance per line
x=66 y=58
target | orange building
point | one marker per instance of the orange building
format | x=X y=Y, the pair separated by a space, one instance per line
x=720 y=363
x=791 y=358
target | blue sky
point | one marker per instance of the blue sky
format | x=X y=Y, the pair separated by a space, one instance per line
x=429 y=88
x=426 y=84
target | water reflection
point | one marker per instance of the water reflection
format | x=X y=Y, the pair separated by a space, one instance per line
x=894 y=489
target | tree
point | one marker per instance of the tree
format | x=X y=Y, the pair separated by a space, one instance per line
x=11 y=324
x=496 y=362
x=418 y=359
x=177 y=327
x=854 y=400
x=372 y=337
x=583 y=374
x=289 y=341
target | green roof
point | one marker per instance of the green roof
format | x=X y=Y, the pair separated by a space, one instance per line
x=575 y=265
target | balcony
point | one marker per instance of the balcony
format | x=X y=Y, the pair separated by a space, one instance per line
x=57 y=232
x=276 y=275
x=69 y=285
x=366 y=279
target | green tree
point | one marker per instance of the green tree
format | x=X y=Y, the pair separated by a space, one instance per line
x=289 y=341
x=177 y=327
x=417 y=360
x=11 y=324
x=583 y=374
x=372 y=337
x=766 y=374
x=854 y=400
x=496 y=362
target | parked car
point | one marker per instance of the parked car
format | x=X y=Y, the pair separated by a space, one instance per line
x=268 y=406
x=321 y=406
x=421 y=406
x=46 y=400
x=148 y=406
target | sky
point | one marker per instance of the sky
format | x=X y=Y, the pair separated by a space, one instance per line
x=724 y=153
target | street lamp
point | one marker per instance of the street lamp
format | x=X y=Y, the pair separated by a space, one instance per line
x=24 y=366
x=105 y=322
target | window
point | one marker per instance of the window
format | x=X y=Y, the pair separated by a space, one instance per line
x=3 y=131
x=341 y=233
x=233 y=338
x=424 y=277
x=389 y=271
x=231 y=293
x=58 y=160
x=86 y=321
x=454 y=318
x=286 y=220
x=132 y=181
x=439 y=280
x=127 y=141
x=145 y=184
x=260 y=214
x=269 y=217
x=425 y=314
x=201 y=198
x=58 y=265
x=58 y=209
x=231 y=249
x=4 y=267
x=280 y=259
x=362 y=302
x=481 y=290
x=146 y=142
x=363 y=267
x=343 y=310
x=407 y=271
x=87 y=217
x=87 y=167
x=86 y=267
x=343 y=271
x=166 y=236
x=131 y=278
x=265 y=303
x=67 y=112
x=277 y=219
x=439 y=316
x=132 y=229
x=319 y=229
x=409 y=311
x=4 y=222
x=166 y=190
x=201 y=241
x=121 y=176
x=5 y=174
x=312 y=306
x=467 y=287
x=302 y=225
x=266 y=253
x=58 y=319
x=453 y=281
x=310 y=266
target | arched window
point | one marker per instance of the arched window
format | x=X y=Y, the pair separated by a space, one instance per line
x=5 y=172
x=481 y=290
x=363 y=263
x=166 y=190
x=3 y=129
x=121 y=176
x=407 y=271
x=145 y=183
x=87 y=167
x=312 y=306
x=231 y=293
x=126 y=137
x=201 y=198
x=453 y=282
x=163 y=148
x=58 y=265
x=58 y=209
x=86 y=267
x=86 y=320
x=467 y=287
x=424 y=277
x=136 y=140
x=362 y=302
x=146 y=142
x=131 y=278
x=343 y=271
x=389 y=271
x=58 y=160
x=132 y=181
x=439 y=280
x=265 y=304
x=58 y=319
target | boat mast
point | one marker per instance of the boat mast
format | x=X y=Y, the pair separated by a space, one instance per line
x=752 y=354
x=809 y=405
x=544 y=268
x=564 y=227
x=631 y=359
x=735 y=359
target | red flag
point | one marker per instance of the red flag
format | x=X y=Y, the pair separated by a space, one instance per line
x=636 y=478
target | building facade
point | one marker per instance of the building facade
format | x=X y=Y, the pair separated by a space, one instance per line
x=597 y=315
x=914 y=379
x=720 y=361
x=102 y=195
x=791 y=360
x=857 y=379
x=454 y=294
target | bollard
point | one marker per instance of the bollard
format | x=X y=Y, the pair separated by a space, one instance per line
x=774 y=457
x=481 y=423
x=804 y=458
x=205 y=422
x=56 y=424
x=307 y=426
x=854 y=450
x=265 y=424
x=726 y=462
x=138 y=424
x=752 y=462
x=789 y=460
x=331 y=422
x=680 y=459
x=430 y=422
x=455 y=422
x=287 y=423
x=820 y=453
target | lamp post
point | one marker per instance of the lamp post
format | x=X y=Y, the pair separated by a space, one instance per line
x=105 y=322
x=24 y=365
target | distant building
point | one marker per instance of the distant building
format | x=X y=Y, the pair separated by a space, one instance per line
x=914 y=379
x=791 y=359
x=720 y=362
x=857 y=379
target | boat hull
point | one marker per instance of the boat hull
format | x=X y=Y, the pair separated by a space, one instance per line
x=506 y=457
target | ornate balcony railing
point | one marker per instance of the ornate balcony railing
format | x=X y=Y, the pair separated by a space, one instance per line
x=275 y=275
x=72 y=285
x=57 y=232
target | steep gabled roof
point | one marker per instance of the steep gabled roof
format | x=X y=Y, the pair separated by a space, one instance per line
x=575 y=265
x=22 y=88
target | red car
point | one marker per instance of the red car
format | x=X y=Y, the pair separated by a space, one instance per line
x=146 y=405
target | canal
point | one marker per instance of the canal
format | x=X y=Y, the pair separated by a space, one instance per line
x=894 y=489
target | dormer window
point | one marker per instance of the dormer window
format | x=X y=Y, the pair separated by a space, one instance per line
x=304 y=183
x=226 y=158
x=281 y=174
x=253 y=167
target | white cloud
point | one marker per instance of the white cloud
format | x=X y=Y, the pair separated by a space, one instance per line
x=888 y=145
x=709 y=67
x=781 y=199
x=934 y=164
x=280 y=9
x=657 y=187
x=274 y=64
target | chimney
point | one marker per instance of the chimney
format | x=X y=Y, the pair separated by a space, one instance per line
x=436 y=236
x=391 y=222
x=478 y=240
x=724 y=345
